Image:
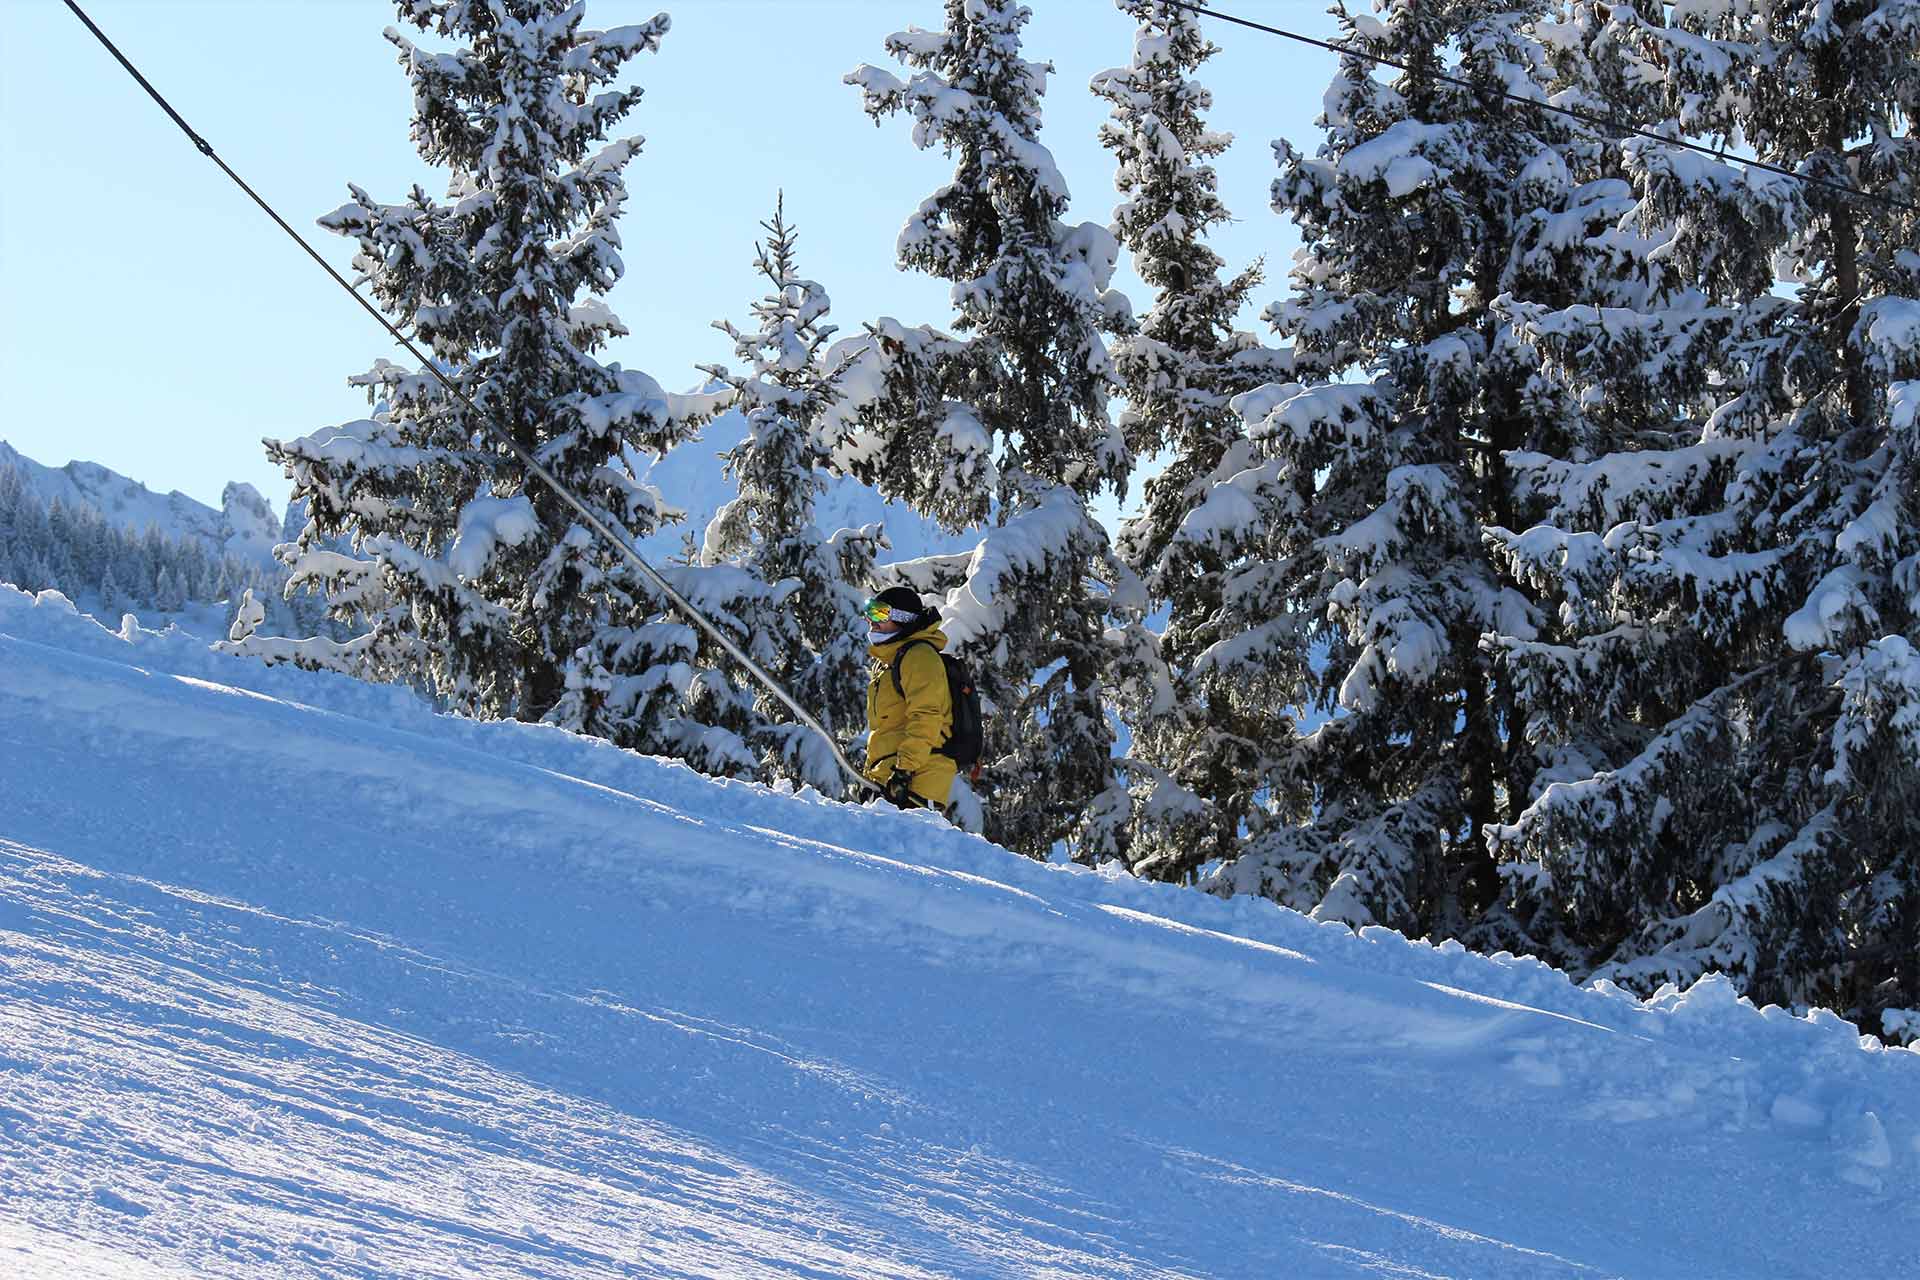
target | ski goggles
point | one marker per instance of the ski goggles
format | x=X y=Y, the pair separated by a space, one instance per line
x=878 y=610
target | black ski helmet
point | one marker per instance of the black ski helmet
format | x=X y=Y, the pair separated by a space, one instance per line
x=906 y=601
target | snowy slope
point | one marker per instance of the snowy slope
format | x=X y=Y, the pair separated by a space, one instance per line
x=297 y=979
x=244 y=527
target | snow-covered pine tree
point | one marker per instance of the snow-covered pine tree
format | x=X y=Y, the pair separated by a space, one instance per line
x=10 y=491
x=167 y=596
x=1734 y=717
x=60 y=526
x=66 y=526
x=1360 y=578
x=102 y=542
x=13 y=506
x=785 y=389
x=473 y=579
x=33 y=544
x=1007 y=419
x=153 y=558
x=32 y=574
x=13 y=488
x=1199 y=734
x=1633 y=378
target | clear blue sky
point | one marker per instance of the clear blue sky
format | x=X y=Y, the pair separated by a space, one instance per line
x=156 y=322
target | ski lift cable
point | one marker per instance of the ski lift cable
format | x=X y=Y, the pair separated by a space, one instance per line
x=525 y=458
x=1616 y=126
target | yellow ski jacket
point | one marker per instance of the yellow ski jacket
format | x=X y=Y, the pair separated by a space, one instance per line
x=905 y=729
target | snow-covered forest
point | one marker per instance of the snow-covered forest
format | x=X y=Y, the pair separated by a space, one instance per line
x=47 y=541
x=1532 y=561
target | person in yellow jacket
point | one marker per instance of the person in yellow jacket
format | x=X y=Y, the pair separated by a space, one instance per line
x=907 y=725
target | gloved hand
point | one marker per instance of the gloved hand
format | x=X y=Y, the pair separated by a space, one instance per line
x=899 y=789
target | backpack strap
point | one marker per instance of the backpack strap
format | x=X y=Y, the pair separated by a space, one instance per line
x=899 y=655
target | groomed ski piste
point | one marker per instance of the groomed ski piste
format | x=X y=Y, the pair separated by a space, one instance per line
x=300 y=979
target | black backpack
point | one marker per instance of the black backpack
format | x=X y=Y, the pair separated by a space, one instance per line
x=968 y=736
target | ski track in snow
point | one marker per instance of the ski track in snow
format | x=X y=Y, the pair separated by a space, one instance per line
x=297 y=979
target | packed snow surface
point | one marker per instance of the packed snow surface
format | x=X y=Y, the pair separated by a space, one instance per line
x=299 y=979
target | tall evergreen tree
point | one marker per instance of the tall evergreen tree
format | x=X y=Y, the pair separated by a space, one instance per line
x=60 y=526
x=1007 y=420
x=1199 y=728
x=12 y=490
x=474 y=580
x=1361 y=581
x=12 y=553
x=30 y=523
x=786 y=389
x=32 y=573
x=1734 y=712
